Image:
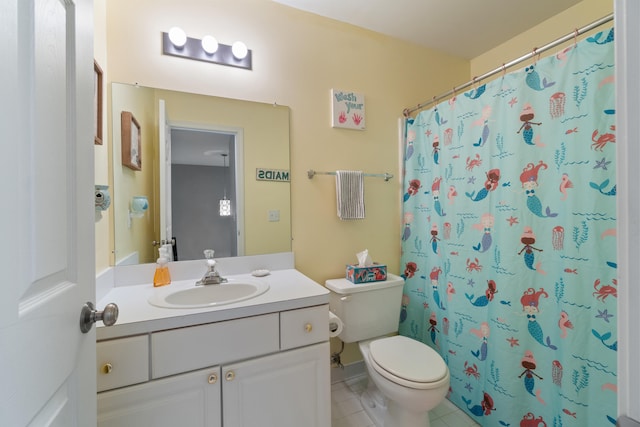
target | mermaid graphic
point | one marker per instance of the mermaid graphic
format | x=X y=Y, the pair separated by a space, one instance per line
x=529 y=180
x=529 y=364
x=484 y=408
x=493 y=176
x=436 y=149
x=528 y=238
x=433 y=321
x=486 y=223
x=530 y=300
x=483 y=334
x=435 y=190
x=484 y=300
x=435 y=273
x=526 y=116
x=434 y=238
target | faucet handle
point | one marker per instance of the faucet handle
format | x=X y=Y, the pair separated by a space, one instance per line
x=208 y=253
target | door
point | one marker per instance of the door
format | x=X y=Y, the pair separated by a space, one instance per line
x=46 y=189
x=164 y=129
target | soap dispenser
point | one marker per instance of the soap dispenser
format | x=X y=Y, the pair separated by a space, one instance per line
x=162 y=276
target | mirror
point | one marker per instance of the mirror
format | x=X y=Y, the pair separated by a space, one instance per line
x=244 y=142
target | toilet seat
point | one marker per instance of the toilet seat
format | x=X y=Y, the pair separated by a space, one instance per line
x=407 y=362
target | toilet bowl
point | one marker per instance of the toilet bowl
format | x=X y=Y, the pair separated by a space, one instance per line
x=409 y=379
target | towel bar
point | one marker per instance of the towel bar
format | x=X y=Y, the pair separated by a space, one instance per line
x=386 y=176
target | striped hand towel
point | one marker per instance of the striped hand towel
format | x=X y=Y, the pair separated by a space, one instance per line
x=350 y=194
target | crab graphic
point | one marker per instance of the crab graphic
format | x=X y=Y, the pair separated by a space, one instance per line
x=598 y=144
x=473 y=265
x=472 y=163
x=604 y=291
x=471 y=370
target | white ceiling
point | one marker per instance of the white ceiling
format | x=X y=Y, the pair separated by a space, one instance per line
x=200 y=147
x=463 y=28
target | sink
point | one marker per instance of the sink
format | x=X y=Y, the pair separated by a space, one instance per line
x=193 y=296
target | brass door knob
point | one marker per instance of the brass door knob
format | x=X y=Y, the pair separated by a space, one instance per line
x=229 y=376
x=308 y=327
x=212 y=379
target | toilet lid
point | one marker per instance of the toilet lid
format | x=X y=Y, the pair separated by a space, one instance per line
x=408 y=359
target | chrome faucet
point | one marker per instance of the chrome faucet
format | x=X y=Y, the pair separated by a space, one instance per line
x=211 y=277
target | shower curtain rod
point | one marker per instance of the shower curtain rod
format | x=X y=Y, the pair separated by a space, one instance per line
x=536 y=51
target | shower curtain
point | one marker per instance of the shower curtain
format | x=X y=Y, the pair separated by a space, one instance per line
x=509 y=241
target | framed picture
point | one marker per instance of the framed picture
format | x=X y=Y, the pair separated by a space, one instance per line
x=131 y=154
x=97 y=102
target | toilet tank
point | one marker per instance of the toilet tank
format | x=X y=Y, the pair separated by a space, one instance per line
x=367 y=310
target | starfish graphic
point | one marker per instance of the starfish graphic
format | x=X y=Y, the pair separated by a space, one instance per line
x=428 y=133
x=604 y=315
x=512 y=220
x=602 y=164
x=469 y=387
x=426 y=305
x=471 y=282
x=513 y=101
x=513 y=342
x=472 y=180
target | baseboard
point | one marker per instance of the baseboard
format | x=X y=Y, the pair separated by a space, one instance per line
x=351 y=370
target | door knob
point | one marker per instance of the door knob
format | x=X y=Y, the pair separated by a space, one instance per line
x=89 y=315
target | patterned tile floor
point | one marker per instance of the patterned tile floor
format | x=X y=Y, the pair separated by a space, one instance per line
x=346 y=409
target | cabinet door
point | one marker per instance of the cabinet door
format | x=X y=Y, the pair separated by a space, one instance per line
x=288 y=389
x=187 y=400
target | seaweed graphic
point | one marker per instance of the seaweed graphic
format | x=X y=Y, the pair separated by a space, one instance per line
x=580 y=92
x=559 y=289
x=496 y=256
x=560 y=155
x=580 y=235
x=557 y=421
x=458 y=327
x=460 y=228
x=580 y=379
x=604 y=337
x=495 y=372
x=500 y=144
x=447 y=267
x=414 y=330
x=460 y=129
x=448 y=173
x=421 y=160
x=418 y=244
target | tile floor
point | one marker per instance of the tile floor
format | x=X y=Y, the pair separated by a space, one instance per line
x=346 y=410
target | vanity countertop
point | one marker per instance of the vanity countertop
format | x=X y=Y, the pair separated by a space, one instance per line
x=288 y=290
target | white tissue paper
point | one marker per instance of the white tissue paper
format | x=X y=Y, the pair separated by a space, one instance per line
x=364 y=260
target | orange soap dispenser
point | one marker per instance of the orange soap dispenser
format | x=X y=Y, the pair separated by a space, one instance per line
x=162 y=276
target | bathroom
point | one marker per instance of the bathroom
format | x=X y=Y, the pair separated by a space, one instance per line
x=310 y=139
x=283 y=78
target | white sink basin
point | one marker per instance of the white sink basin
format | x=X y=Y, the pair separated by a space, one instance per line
x=209 y=295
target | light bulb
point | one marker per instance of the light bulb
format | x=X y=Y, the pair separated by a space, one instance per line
x=209 y=44
x=239 y=50
x=177 y=36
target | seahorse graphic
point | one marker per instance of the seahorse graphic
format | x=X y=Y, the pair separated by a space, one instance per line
x=530 y=300
x=529 y=180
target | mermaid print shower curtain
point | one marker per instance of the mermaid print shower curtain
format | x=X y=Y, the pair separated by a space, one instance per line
x=509 y=241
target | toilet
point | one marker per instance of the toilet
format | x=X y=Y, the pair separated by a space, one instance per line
x=407 y=378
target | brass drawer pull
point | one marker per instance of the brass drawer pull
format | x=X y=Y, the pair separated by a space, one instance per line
x=107 y=368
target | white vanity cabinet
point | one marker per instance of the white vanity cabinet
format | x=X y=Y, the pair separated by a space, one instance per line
x=270 y=370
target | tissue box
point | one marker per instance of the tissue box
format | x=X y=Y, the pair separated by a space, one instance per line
x=374 y=273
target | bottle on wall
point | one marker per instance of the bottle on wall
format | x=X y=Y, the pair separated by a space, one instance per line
x=162 y=276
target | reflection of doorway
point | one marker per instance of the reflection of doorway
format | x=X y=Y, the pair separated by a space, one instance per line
x=199 y=180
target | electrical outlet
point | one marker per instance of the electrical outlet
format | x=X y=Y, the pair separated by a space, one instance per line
x=274 y=216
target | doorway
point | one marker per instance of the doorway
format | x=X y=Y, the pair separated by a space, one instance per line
x=205 y=166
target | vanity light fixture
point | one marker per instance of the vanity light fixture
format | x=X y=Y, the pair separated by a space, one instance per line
x=225 y=204
x=178 y=37
x=176 y=43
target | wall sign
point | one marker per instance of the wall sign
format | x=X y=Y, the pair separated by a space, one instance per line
x=347 y=110
x=272 y=175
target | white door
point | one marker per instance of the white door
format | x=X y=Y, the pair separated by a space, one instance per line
x=47 y=262
x=166 y=228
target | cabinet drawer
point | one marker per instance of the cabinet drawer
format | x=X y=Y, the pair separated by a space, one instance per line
x=303 y=327
x=122 y=362
x=196 y=347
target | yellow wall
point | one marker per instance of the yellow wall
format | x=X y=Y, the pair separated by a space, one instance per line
x=583 y=13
